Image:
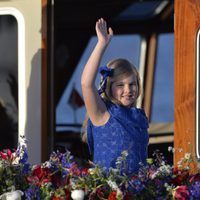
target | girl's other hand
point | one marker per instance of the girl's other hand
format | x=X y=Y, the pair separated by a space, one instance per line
x=104 y=34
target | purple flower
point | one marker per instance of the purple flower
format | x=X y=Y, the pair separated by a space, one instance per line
x=136 y=186
x=26 y=168
x=195 y=190
x=22 y=153
x=33 y=192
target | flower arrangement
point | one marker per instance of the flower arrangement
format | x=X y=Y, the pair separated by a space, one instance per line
x=60 y=178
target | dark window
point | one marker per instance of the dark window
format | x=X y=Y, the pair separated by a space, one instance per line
x=8 y=82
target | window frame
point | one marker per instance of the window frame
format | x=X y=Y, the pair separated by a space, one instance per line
x=21 y=67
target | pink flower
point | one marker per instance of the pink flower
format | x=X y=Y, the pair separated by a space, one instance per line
x=74 y=170
x=32 y=179
x=9 y=153
x=181 y=192
x=39 y=176
x=180 y=176
x=152 y=173
x=40 y=172
x=85 y=171
x=3 y=155
x=194 y=177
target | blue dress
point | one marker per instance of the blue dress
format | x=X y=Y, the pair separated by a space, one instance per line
x=126 y=129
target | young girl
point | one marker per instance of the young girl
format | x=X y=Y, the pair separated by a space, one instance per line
x=114 y=123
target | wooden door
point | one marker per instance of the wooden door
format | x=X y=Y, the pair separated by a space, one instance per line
x=186 y=26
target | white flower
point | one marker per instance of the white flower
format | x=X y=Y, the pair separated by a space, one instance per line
x=181 y=161
x=164 y=170
x=91 y=170
x=179 y=166
x=16 y=160
x=171 y=149
x=77 y=195
x=166 y=184
x=47 y=164
x=163 y=163
x=113 y=185
x=119 y=192
x=124 y=153
x=187 y=167
x=14 y=195
x=168 y=187
x=114 y=170
x=72 y=182
x=167 y=169
x=187 y=156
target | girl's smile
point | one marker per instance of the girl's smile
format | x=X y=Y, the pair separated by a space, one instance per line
x=125 y=91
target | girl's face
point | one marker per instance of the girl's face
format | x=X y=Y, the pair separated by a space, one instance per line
x=125 y=90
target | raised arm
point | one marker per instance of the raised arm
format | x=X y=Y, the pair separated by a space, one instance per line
x=95 y=107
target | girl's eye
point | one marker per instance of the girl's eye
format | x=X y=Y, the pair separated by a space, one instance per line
x=132 y=84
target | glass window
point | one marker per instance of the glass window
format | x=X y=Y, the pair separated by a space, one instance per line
x=8 y=81
x=141 y=10
x=162 y=109
x=70 y=109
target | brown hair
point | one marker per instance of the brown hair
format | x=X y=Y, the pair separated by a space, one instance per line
x=121 y=68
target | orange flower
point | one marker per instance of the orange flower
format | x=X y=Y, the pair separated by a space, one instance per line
x=112 y=195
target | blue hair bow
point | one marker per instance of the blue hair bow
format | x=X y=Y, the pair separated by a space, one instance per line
x=105 y=72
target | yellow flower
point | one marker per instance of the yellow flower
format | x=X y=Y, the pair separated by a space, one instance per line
x=149 y=161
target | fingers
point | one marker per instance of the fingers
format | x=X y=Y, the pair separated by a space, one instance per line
x=103 y=33
x=101 y=23
x=110 y=31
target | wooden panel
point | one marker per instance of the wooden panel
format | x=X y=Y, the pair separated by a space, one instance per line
x=187 y=21
x=152 y=44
